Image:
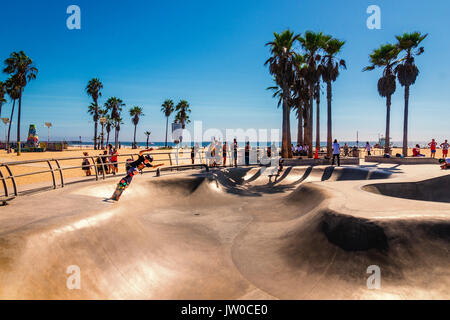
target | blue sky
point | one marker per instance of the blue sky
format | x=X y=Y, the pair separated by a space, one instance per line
x=212 y=54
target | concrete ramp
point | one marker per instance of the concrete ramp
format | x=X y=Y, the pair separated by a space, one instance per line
x=223 y=235
x=436 y=189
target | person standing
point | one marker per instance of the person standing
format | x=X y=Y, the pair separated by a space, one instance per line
x=235 y=151
x=114 y=161
x=247 y=153
x=198 y=152
x=445 y=147
x=346 y=149
x=368 y=148
x=86 y=164
x=224 y=153
x=336 y=153
x=433 y=145
x=193 y=154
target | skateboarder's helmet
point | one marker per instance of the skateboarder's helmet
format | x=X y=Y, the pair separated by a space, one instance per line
x=150 y=159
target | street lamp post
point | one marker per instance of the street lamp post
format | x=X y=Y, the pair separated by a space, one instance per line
x=103 y=120
x=6 y=122
x=48 y=125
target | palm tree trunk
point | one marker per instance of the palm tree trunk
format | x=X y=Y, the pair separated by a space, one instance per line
x=95 y=134
x=103 y=136
x=285 y=146
x=18 y=123
x=167 y=125
x=115 y=136
x=107 y=137
x=388 y=124
x=318 y=121
x=10 y=122
x=405 y=123
x=288 y=129
x=310 y=124
x=147 y=141
x=134 y=139
x=300 y=128
x=329 y=121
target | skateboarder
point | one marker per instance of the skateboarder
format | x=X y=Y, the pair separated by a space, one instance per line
x=133 y=169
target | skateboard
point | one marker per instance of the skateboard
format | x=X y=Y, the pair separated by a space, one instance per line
x=119 y=190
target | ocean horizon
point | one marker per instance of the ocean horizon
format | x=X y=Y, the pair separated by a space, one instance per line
x=395 y=144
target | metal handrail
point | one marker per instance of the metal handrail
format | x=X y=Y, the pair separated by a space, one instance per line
x=51 y=169
x=58 y=168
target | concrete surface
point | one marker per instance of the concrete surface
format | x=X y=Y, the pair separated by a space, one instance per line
x=310 y=233
x=403 y=161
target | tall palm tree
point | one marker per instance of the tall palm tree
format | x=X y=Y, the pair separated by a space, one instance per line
x=136 y=112
x=281 y=66
x=147 y=133
x=385 y=57
x=13 y=90
x=167 y=108
x=312 y=43
x=22 y=68
x=93 y=89
x=183 y=110
x=117 y=122
x=407 y=72
x=330 y=72
x=94 y=112
x=2 y=95
x=115 y=105
x=317 y=92
x=278 y=94
x=300 y=93
x=102 y=113
x=108 y=126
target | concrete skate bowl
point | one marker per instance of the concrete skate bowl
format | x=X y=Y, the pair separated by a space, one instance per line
x=436 y=189
x=207 y=236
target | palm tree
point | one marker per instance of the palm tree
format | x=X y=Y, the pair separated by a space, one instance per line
x=21 y=67
x=13 y=90
x=109 y=124
x=281 y=66
x=135 y=113
x=312 y=43
x=147 y=133
x=182 y=115
x=300 y=94
x=385 y=57
x=278 y=94
x=102 y=113
x=167 y=108
x=115 y=105
x=118 y=121
x=94 y=112
x=93 y=90
x=2 y=95
x=330 y=73
x=407 y=72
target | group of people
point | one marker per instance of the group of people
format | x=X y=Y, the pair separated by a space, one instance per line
x=217 y=153
x=300 y=150
x=224 y=153
x=433 y=148
x=106 y=162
